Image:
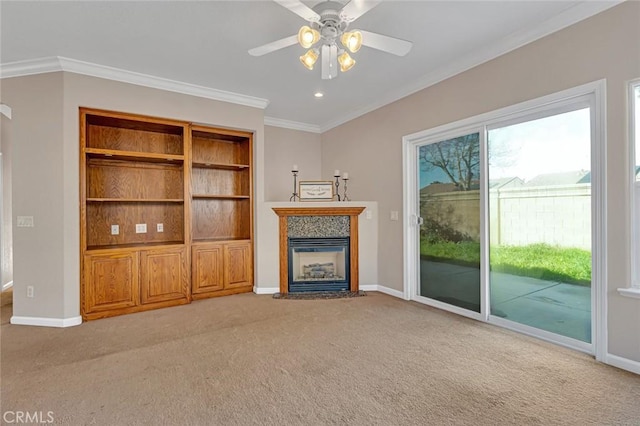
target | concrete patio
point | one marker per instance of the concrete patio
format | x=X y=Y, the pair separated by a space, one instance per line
x=559 y=308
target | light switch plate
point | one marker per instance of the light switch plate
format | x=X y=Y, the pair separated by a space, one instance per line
x=368 y=214
x=115 y=229
x=394 y=215
x=141 y=228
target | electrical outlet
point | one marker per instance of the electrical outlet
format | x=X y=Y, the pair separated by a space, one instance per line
x=29 y=291
x=24 y=221
x=141 y=228
x=394 y=215
x=115 y=229
x=160 y=227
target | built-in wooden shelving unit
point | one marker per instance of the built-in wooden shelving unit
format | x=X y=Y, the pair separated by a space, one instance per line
x=166 y=212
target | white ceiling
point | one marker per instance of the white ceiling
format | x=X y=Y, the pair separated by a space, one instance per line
x=205 y=44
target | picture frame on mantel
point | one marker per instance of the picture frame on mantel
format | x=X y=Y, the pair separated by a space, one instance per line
x=316 y=190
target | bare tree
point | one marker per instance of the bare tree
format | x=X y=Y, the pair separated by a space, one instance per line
x=458 y=158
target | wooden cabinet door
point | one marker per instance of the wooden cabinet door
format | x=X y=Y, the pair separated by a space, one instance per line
x=163 y=275
x=110 y=281
x=238 y=266
x=207 y=269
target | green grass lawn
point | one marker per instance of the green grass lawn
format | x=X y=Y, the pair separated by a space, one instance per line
x=543 y=261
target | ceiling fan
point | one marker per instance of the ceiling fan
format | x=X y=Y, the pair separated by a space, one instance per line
x=328 y=22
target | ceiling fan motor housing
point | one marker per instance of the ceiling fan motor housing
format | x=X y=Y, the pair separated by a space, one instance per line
x=331 y=25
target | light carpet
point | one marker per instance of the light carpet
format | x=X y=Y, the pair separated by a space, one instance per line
x=252 y=360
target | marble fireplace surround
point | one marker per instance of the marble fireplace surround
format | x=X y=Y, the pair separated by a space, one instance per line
x=283 y=215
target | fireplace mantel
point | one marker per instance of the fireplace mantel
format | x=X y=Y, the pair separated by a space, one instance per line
x=283 y=214
x=318 y=211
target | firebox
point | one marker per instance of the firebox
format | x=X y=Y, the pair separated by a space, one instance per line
x=318 y=264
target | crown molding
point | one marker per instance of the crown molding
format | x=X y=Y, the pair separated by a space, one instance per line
x=568 y=17
x=58 y=63
x=294 y=125
x=30 y=67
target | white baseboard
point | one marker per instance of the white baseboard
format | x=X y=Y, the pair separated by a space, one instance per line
x=370 y=287
x=391 y=291
x=382 y=289
x=46 y=322
x=266 y=290
x=624 y=363
x=7 y=286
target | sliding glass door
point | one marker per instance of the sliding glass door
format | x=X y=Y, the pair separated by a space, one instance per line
x=540 y=222
x=449 y=194
x=502 y=228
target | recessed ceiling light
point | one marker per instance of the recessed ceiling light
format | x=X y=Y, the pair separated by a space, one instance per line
x=318 y=94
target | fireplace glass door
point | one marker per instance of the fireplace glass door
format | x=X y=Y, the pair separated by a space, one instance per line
x=318 y=264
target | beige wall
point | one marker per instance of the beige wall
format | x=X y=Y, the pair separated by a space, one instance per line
x=283 y=149
x=38 y=191
x=604 y=46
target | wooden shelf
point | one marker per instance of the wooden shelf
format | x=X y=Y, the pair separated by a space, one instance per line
x=221 y=207
x=114 y=154
x=135 y=200
x=160 y=244
x=223 y=166
x=221 y=197
x=219 y=239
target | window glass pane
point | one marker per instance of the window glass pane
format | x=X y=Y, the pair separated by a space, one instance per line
x=450 y=234
x=540 y=223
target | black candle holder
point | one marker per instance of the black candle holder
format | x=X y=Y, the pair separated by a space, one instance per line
x=345 y=197
x=337 y=186
x=294 y=195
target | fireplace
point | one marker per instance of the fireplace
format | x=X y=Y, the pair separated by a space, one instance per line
x=336 y=228
x=318 y=264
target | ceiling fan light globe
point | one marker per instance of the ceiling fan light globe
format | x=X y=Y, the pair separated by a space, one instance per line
x=346 y=62
x=309 y=59
x=307 y=36
x=352 y=40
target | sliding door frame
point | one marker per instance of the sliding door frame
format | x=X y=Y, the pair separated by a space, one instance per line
x=412 y=293
x=592 y=95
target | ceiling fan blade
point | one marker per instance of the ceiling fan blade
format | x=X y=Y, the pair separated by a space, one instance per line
x=300 y=9
x=273 y=46
x=387 y=44
x=329 y=61
x=356 y=8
